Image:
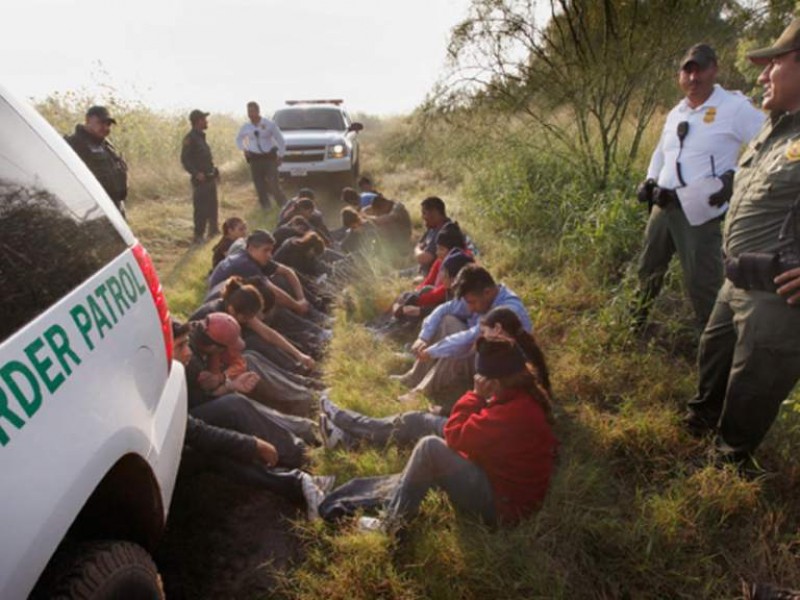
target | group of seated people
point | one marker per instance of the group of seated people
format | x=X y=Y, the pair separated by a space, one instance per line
x=257 y=402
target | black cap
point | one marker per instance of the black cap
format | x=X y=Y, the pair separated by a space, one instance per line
x=496 y=359
x=702 y=55
x=101 y=112
x=788 y=41
x=196 y=115
x=260 y=238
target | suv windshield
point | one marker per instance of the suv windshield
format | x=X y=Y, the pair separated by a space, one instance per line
x=289 y=119
x=53 y=235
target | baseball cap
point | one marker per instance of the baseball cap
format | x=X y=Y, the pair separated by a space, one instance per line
x=101 y=112
x=224 y=330
x=702 y=55
x=196 y=115
x=789 y=40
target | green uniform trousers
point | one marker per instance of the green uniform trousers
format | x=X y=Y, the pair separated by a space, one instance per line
x=699 y=250
x=749 y=361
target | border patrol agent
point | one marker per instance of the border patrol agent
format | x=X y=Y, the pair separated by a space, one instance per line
x=198 y=162
x=701 y=138
x=749 y=356
x=263 y=146
x=90 y=143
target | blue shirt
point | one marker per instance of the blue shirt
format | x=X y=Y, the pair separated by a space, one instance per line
x=240 y=264
x=460 y=344
x=367 y=198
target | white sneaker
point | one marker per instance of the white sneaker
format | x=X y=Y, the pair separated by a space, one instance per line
x=371 y=524
x=332 y=435
x=313 y=495
x=324 y=482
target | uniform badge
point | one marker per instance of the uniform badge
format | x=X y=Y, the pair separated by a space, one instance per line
x=793 y=151
x=711 y=114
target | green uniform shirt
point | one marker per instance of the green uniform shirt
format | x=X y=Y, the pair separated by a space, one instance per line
x=196 y=154
x=767 y=184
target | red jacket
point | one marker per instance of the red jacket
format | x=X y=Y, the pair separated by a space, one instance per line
x=439 y=292
x=510 y=439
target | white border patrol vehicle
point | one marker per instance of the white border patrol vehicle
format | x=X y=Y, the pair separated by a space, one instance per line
x=92 y=406
x=321 y=139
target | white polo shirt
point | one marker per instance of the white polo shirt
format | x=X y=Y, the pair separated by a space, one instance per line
x=717 y=129
x=261 y=138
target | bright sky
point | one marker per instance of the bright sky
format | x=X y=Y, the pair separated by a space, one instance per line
x=381 y=57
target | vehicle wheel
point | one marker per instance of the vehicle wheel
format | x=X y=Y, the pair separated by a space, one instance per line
x=101 y=571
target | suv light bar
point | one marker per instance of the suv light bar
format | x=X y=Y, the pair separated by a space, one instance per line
x=337 y=102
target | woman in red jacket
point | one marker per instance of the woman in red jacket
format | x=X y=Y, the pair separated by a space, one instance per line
x=496 y=458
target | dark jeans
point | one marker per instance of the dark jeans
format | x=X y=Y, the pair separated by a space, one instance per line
x=206 y=207
x=404 y=429
x=265 y=178
x=432 y=465
x=235 y=412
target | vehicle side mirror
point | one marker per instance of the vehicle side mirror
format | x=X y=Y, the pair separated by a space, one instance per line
x=355 y=127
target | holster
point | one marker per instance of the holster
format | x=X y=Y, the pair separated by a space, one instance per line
x=757 y=270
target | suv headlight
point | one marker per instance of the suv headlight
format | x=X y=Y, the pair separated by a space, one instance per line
x=337 y=151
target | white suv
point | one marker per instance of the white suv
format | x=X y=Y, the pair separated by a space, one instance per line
x=321 y=139
x=92 y=407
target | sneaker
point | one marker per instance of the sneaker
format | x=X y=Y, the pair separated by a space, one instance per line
x=332 y=435
x=696 y=425
x=324 y=482
x=371 y=524
x=326 y=406
x=313 y=495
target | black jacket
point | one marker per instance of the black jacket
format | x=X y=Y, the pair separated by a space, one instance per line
x=103 y=161
x=196 y=155
x=209 y=439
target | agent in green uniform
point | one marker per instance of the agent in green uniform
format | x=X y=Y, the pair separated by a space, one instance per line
x=749 y=355
x=90 y=142
x=198 y=162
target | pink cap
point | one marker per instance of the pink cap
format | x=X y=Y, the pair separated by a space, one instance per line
x=224 y=330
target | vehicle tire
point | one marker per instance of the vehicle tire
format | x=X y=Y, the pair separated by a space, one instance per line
x=101 y=571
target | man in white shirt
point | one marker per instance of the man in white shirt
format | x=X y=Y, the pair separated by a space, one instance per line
x=263 y=146
x=701 y=139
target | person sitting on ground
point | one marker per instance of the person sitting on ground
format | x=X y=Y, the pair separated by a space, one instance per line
x=444 y=347
x=432 y=291
x=496 y=459
x=305 y=207
x=342 y=426
x=393 y=223
x=228 y=435
x=434 y=216
x=367 y=192
x=288 y=209
x=295 y=227
x=257 y=260
x=359 y=234
x=233 y=228
x=303 y=254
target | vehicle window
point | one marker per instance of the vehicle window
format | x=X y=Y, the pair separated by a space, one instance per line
x=288 y=119
x=53 y=235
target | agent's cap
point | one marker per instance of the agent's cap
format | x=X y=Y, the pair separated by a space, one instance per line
x=224 y=330
x=101 y=112
x=789 y=40
x=196 y=115
x=702 y=55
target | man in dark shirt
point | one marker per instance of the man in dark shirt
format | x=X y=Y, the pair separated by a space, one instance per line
x=434 y=216
x=198 y=162
x=90 y=143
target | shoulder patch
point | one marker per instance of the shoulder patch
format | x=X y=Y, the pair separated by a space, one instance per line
x=793 y=151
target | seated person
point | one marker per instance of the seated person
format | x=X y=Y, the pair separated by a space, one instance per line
x=444 y=348
x=295 y=227
x=393 y=224
x=229 y=435
x=494 y=463
x=434 y=216
x=257 y=260
x=306 y=208
x=342 y=426
x=233 y=228
x=433 y=290
x=359 y=233
x=304 y=254
x=367 y=192
x=287 y=209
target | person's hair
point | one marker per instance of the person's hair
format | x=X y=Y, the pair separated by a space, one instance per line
x=299 y=223
x=230 y=223
x=243 y=298
x=310 y=241
x=510 y=323
x=364 y=180
x=380 y=201
x=259 y=282
x=179 y=329
x=305 y=204
x=350 y=217
x=434 y=203
x=472 y=279
x=260 y=238
x=450 y=236
x=306 y=193
x=253 y=104
x=351 y=197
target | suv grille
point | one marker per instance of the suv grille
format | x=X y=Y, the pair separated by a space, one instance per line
x=295 y=154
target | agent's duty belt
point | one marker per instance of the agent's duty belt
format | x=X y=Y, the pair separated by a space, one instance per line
x=757 y=270
x=665 y=197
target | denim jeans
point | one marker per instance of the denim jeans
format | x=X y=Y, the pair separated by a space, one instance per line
x=405 y=428
x=432 y=465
